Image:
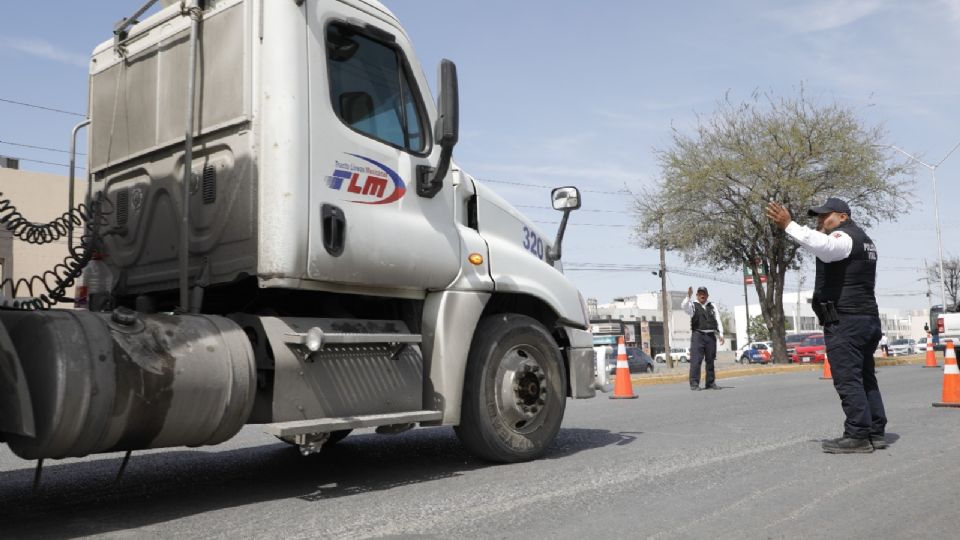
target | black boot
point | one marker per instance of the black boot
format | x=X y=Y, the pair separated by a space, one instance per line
x=879 y=442
x=847 y=445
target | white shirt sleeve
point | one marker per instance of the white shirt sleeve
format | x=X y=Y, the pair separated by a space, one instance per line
x=832 y=247
x=687 y=306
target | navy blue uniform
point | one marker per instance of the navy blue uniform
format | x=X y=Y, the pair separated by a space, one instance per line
x=705 y=327
x=846 y=304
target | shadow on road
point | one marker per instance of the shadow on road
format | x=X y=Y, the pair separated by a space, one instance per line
x=81 y=498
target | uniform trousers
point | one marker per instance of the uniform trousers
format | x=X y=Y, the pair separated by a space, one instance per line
x=851 y=343
x=703 y=347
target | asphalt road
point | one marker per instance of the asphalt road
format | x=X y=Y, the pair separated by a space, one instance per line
x=743 y=462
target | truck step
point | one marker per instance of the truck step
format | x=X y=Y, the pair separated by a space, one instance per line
x=315 y=338
x=325 y=425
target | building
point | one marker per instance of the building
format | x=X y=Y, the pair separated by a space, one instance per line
x=9 y=163
x=647 y=335
x=38 y=198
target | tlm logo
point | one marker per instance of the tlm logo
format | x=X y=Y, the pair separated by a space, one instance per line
x=368 y=182
x=371 y=185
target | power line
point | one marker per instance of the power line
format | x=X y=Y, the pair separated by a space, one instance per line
x=572 y=224
x=44 y=162
x=40 y=148
x=485 y=180
x=61 y=111
x=580 y=210
x=614 y=267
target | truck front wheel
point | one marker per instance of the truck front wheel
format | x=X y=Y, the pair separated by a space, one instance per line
x=514 y=390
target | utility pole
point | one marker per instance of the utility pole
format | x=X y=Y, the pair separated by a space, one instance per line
x=664 y=300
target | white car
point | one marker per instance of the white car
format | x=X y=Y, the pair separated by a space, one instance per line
x=678 y=353
x=903 y=347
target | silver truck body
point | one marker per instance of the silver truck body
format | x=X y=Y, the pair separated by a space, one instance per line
x=306 y=226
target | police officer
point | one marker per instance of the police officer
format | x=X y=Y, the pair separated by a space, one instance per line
x=705 y=328
x=845 y=304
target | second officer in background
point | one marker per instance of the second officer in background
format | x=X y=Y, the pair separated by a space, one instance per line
x=705 y=329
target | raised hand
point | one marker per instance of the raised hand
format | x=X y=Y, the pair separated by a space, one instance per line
x=779 y=215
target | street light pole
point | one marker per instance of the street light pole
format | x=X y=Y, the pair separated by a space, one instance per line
x=936 y=208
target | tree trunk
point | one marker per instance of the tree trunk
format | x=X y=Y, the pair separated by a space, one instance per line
x=771 y=300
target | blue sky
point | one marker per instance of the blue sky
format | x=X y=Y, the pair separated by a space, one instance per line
x=559 y=93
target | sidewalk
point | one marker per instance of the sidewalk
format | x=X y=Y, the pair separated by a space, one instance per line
x=725 y=370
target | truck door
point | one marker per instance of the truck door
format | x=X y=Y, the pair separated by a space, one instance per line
x=370 y=128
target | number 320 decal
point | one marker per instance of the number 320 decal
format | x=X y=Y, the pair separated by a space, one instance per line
x=532 y=243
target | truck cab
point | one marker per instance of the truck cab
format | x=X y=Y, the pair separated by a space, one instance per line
x=276 y=188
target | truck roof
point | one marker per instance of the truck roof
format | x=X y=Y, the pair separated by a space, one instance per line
x=373 y=7
x=375 y=4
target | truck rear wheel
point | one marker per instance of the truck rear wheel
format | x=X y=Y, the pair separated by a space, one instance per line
x=514 y=390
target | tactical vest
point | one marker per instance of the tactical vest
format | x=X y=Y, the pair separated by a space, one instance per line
x=703 y=318
x=850 y=283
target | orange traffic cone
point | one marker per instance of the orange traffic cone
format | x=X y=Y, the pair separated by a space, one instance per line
x=931 y=356
x=622 y=387
x=826 y=368
x=951 y=379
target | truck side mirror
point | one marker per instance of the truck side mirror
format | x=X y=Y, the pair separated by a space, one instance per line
x=448 y=126
x=565 y=199
x=430 y=180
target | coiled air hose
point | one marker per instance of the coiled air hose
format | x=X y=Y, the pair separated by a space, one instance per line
x=45 y=290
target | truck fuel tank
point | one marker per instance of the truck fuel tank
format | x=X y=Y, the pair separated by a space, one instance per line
x=105 y=382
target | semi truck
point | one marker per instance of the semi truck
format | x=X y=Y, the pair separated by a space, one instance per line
x=947 y=325
x=290 y=244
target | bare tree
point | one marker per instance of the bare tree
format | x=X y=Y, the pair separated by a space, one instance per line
x=716 y=182
x=951 y=278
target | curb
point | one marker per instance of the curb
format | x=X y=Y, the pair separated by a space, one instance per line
x=653 y=379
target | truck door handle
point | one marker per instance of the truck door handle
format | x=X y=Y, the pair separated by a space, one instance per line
x=334 y=229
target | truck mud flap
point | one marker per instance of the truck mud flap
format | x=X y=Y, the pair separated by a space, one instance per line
x=16 y=411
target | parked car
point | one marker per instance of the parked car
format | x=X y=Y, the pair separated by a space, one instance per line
x=758 y=353
x=744 y=351
x=794 y=339
x=903 y=347
x=678 y=353
x=637 y=360
x=811 y=350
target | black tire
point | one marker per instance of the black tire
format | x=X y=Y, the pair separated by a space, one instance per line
x=514 y=390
